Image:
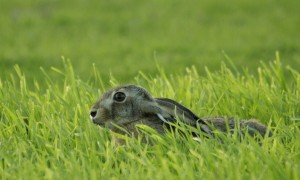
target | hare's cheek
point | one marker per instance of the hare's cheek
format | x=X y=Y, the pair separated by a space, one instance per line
x=121 y=110
x=104 y=115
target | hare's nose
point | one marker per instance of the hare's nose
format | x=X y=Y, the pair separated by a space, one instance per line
x=93 y=113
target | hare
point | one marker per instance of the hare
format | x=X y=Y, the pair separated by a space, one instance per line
x=122 y=108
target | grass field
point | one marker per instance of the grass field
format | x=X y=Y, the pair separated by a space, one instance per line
x=164 y=46
x=46 y=132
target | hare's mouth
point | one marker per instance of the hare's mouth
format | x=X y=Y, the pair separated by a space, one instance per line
x=98 y=123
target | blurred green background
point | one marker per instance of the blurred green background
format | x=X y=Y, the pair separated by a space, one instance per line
x=123 y=37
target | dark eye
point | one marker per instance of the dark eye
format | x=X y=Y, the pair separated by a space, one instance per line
x=119 y=97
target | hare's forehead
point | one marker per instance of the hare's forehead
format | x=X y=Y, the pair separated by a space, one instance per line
x=137 y=92
x=129 y=91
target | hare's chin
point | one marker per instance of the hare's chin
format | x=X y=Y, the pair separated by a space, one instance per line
x=98 y=123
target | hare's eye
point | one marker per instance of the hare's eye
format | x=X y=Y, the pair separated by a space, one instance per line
x=119 y=97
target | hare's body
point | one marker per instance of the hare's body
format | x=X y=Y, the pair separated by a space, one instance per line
x=229 y=124
x=122 y=108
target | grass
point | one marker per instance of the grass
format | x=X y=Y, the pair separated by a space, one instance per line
x=46 y=132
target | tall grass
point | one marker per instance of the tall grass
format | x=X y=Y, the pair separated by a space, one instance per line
x=46 y=132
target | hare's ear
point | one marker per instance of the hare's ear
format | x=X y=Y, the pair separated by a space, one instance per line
x=171 y=109
x=152 y=107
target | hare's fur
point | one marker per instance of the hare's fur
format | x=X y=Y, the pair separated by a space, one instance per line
x=136 y=106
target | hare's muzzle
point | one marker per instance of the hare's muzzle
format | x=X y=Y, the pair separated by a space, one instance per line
x=93 y=114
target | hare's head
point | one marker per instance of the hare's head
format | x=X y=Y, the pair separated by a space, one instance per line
x=126 y=104
x=123 y=104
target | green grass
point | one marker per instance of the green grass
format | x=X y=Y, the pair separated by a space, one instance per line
x=46 y=132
